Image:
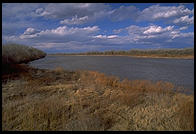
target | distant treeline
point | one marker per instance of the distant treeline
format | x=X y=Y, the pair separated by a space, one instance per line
x=137 y=52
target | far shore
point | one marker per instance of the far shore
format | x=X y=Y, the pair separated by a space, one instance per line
x=183 y=57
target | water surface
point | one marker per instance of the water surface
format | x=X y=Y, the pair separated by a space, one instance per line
x=178 y=71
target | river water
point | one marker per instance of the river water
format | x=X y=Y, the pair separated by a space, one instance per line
x=178 y=71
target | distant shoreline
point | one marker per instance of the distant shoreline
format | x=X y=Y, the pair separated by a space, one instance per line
x=185 y=53
x=183 y=57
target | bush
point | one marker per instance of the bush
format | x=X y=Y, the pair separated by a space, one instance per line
x=16 y=54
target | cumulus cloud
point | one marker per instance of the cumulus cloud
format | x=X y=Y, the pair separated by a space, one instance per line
x=184 y=20
x=30 y=31
x=75 y=20
x=70 y=10
x=39 y=25
x=80 y=13
x=39 y=11
x=157 y=12
x=66 y=39
x=152 y=29
x=105 y=36
x=157 y=29
x=179 y=15
x=154 y=34
x=18 y=16
x=64 y=30
x=60 y=34
x=183 y=28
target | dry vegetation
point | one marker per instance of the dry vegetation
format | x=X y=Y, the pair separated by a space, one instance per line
x=15 y=54
x=37 y=99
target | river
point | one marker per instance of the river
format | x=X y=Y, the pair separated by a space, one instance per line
x=178 y=71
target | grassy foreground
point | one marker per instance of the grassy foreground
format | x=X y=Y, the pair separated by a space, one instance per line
x=38 y=99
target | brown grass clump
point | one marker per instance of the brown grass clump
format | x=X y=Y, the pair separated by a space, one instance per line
x=186 y=113
x=86 y=100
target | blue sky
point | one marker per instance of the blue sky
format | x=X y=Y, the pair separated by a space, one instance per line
x=81 y=27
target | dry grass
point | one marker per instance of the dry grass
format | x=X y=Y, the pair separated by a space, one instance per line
x=87 y=100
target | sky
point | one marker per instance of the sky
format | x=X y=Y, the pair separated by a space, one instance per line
x=82 y=27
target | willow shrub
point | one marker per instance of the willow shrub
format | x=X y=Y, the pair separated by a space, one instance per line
x=16 y=54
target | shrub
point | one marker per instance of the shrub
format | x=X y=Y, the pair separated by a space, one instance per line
x=16 y=54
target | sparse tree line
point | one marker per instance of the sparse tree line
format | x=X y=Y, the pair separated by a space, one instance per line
x=135 y=52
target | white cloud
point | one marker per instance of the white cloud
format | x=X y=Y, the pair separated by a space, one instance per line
x=112 y=36
x=157 y=29
x=175 y=34
x=117 y=31
x=28 y=36
x=16 y=16
x=26 y=18
x=58 y=31
x=166 y=14
x=39 y=10
x=153 y=29
x=156 y=12
x=75 y=20
x=153 y=34
x=19 y=16
x=9 y=38
x=189 y=34
x=70 y=10
x=86 y=38
x=183 y=28
x=105 y=36
x=64 y=30
x=30 y=31
x=60 y=34
x=184 y=20
x=100 y=36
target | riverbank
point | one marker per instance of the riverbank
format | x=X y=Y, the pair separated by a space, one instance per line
x=185 y=53
x=40 y=99
x=182 y=57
